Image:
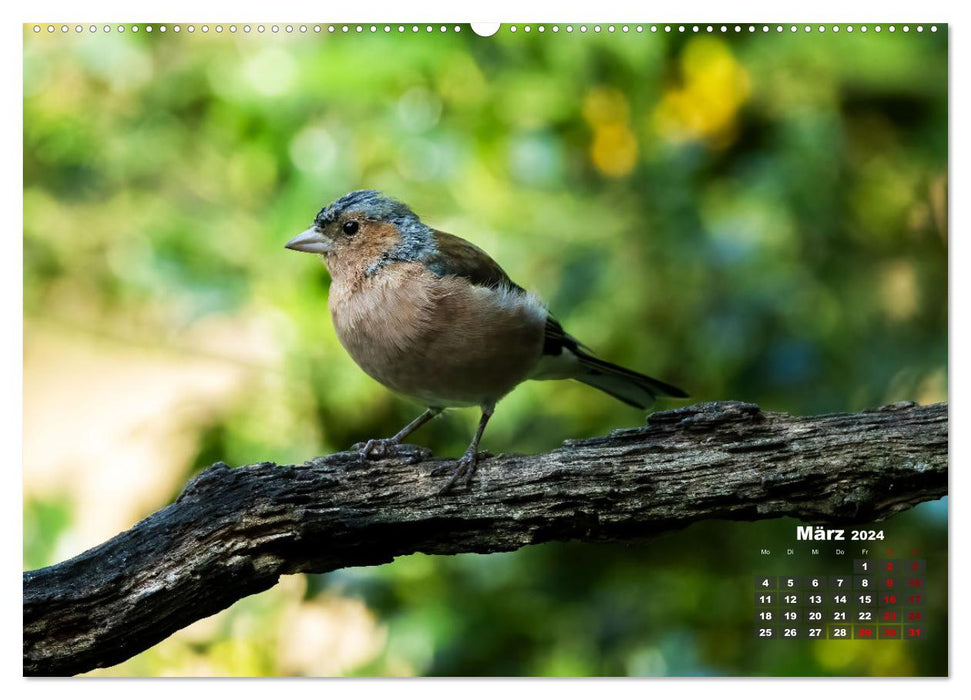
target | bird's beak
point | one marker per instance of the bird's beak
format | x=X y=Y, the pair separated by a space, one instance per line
x=311 y=241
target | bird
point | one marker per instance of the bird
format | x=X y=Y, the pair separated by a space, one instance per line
x=434 y=319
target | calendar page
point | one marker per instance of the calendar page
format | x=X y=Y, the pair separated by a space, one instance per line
x=554 y=349
x=878 y=593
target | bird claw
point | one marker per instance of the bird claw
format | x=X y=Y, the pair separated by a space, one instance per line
x=462 y=470
x=375 y=447
x=382 y=448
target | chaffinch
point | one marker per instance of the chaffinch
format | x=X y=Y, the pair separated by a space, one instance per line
x=434 y=318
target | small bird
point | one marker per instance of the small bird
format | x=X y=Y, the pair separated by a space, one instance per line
x=433 y=318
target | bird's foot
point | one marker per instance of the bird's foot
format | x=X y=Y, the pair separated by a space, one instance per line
x=460 y=471
x=381 y=448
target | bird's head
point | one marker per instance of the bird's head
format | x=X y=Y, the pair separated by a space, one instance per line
x=362 y=232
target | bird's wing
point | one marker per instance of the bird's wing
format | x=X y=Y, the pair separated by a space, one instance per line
x=456 y=256
x=563 y=355
x=556 y=339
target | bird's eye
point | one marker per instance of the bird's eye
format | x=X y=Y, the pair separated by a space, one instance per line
x=350 y=227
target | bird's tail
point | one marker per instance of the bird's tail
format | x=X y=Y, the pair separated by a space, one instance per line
x=633 y=388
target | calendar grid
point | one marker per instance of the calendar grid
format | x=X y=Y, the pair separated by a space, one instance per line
x=881 y=599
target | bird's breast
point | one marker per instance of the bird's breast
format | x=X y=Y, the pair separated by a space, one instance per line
x=439 y=340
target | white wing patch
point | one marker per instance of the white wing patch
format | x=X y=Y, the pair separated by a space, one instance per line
x=516 y=299
x=566 y=365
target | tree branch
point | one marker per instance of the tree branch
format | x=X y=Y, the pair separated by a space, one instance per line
x=234 y=532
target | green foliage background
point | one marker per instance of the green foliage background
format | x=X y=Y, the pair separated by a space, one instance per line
x=754 y=216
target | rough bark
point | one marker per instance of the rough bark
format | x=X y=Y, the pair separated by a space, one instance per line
x=234 y=532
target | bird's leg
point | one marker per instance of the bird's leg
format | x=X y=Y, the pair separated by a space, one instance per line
x=380 y=447
x=465 y=467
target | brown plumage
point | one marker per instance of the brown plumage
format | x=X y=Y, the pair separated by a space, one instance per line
x=439 y=340
x=434 y=318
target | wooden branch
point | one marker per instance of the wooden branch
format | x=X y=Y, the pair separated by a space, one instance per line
x=234 y=532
